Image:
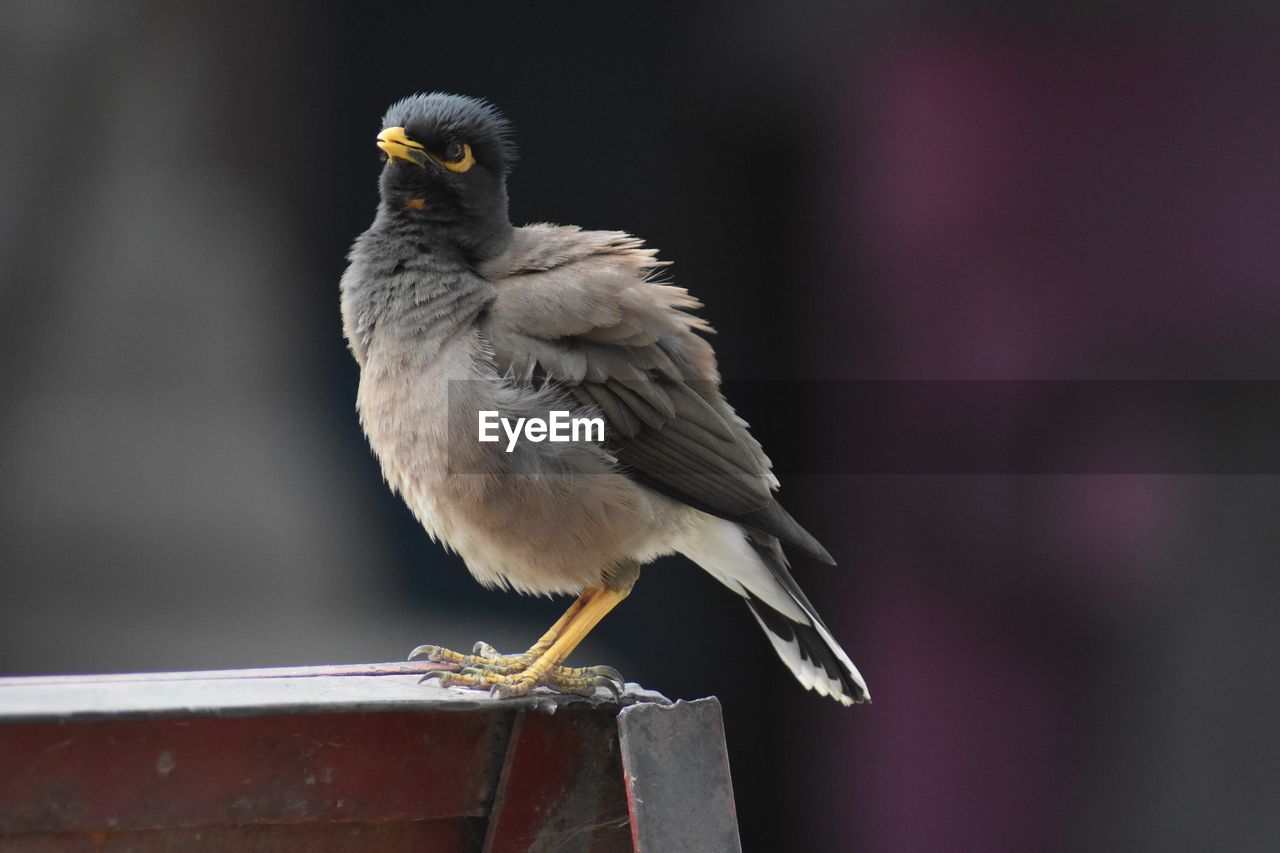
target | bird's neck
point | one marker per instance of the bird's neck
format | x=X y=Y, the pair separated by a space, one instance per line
x=473 y=239
x=409 y=277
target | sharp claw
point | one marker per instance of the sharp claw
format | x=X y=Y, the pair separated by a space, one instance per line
x=608 y=684
x=608 y=672
x=608 y=677
x=507 y=676
x=421 y=650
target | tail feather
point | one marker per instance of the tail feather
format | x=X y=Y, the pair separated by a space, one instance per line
x=806 y=646
x=752 y=564
x=816 y=664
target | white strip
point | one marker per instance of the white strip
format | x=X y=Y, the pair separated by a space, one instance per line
x=722 y=550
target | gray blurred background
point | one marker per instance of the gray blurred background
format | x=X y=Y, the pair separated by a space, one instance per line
x=921 y=190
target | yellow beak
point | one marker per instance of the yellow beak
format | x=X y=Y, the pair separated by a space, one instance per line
x=398 y=146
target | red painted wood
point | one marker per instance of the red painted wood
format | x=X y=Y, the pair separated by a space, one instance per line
x=457 y=835
x=132 y=774
x=561 y=788
x=359 y=757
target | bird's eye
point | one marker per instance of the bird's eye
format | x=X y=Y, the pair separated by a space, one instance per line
x=456 y=157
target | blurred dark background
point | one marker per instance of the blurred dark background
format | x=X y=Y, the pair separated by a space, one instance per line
x=857 y=191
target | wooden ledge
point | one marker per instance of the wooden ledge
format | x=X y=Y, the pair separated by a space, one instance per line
x=354 y=758
x=289 y=690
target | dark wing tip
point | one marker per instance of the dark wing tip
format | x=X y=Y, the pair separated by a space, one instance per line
x=776 y=521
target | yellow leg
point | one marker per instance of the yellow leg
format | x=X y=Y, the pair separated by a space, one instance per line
x=553 y=633
x=488 y=658
x=541 y=665
x=596 y=604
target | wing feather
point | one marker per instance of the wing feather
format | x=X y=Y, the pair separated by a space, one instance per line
x=580 y=309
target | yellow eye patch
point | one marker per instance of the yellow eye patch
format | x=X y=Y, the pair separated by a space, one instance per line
x=461 y=164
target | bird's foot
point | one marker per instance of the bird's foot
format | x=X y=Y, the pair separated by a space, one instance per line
x=482 y=655
x=582 y=681
x=509 y=676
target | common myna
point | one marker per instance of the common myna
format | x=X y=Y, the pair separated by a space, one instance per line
x=459 y=319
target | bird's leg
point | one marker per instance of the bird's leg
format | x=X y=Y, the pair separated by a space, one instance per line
x=542 y=664
x=547 y=669
x=511 y=664
x=488 y=658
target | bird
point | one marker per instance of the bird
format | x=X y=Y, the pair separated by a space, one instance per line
x=452 y=311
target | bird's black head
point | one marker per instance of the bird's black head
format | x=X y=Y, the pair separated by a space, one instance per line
x=447 y=163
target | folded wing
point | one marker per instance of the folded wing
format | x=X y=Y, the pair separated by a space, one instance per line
x=580 y=309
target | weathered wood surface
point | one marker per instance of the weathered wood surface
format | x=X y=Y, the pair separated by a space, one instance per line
x=348 y=757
